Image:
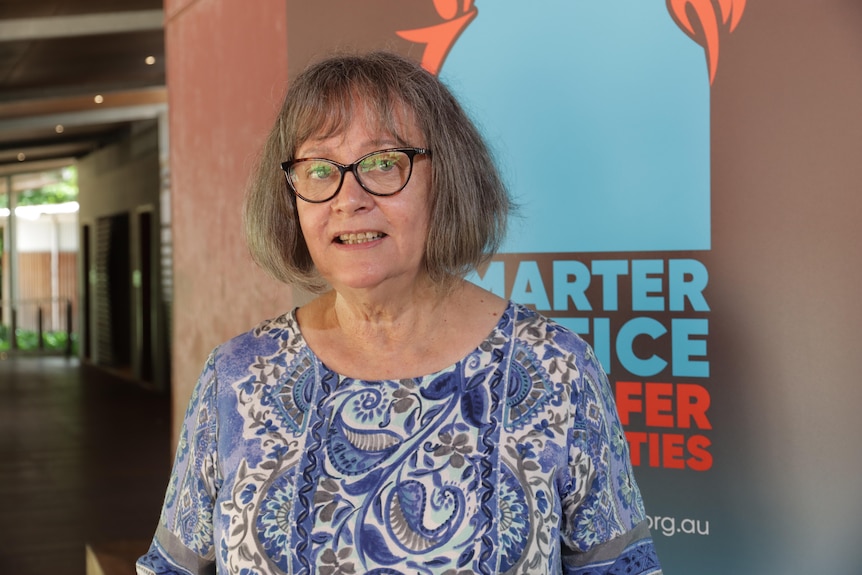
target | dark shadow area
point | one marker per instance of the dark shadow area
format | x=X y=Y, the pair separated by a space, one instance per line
x=84 y=458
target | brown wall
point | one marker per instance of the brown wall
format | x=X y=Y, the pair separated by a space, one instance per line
x=227 y=68
x=787 y=282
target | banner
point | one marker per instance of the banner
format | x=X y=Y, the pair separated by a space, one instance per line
x=601 y=118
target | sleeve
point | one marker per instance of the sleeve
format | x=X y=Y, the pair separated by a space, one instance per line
x=604 y=528
x=183 y=543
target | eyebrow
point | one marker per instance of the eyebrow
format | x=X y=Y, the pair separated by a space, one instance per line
x=377 y=144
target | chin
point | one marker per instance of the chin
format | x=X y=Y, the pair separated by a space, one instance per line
x=368 y=280
x=343 y=281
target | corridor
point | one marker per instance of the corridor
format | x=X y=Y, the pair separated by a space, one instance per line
x=84 y=459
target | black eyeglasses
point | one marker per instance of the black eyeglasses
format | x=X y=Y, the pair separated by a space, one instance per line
x=381 y=173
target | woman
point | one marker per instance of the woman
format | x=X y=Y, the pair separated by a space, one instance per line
x=405 y=421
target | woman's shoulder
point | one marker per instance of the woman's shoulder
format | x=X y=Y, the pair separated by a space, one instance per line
x=530 y=326
x=557 y=349
x=271 y=337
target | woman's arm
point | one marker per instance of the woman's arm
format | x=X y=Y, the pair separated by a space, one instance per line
x=183 y=543
x=604 y=528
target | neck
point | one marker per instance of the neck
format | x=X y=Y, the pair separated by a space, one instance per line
x=386 y=319
x=376 y=338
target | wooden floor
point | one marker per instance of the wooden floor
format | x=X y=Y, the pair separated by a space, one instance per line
x=84 y=459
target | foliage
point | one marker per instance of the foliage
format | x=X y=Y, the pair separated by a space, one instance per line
x=63 y=189
x=28 y=340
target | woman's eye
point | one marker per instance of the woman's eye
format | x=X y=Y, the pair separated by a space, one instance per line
x=320 y=171
x=379 y=163
x=386 y=164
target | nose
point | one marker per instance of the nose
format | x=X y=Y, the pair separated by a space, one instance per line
x=351 y=197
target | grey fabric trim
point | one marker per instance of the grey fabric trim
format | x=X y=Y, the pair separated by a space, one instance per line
x=184 y=557
x=606 y=552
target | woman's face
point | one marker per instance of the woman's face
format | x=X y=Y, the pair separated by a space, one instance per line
x=360 y=241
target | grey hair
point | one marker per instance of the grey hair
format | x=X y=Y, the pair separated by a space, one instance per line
x=469 y=204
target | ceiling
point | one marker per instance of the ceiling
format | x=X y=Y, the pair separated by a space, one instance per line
x=57 y=58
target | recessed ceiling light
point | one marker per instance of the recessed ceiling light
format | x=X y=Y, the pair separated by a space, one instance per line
x=150 y=60
x=98 y=99
x=59 y=128
x=21 y=156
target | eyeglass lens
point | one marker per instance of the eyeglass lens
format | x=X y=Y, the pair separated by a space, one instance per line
x=383 y=173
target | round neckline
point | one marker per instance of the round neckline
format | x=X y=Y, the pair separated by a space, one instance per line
x=508 y=312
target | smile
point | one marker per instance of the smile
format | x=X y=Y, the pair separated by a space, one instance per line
x=360 y=238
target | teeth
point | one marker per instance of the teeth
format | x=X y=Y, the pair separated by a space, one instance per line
x=359 y=238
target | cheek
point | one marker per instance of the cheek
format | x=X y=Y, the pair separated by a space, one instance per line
x=310 y=229
x=306 y=218
x=420 y=225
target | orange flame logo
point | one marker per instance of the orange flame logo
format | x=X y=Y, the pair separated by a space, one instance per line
x=440 y=38
x=706 y=14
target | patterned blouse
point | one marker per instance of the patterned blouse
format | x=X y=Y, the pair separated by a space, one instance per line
x=512 y=460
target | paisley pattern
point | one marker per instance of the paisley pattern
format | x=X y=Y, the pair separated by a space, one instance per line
x=510 y=461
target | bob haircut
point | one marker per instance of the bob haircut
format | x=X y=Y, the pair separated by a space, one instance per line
x=469 y=203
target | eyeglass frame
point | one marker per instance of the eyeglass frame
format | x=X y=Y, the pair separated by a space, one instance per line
x=410 y=152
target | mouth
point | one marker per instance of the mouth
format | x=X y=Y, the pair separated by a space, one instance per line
x=359 y=238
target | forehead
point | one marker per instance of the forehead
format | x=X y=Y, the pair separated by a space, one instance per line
x=394 y=123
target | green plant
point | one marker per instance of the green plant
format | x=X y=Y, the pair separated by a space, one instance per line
x=63 y=189
x=28 y=340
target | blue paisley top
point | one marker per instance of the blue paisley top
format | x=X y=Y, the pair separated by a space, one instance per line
x=512 y=460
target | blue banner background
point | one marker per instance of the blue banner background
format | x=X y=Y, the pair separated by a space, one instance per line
x=599 y=115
